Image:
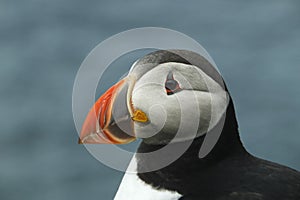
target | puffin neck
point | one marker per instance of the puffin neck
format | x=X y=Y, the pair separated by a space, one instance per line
x=228 y=146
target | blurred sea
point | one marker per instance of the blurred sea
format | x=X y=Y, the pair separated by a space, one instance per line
x=256 y=45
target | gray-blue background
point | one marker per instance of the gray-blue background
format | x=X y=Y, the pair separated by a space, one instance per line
x=255 y=44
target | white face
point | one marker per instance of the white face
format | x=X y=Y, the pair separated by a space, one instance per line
x=198 y=104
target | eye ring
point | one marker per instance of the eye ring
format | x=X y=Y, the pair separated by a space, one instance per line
x=171 y=85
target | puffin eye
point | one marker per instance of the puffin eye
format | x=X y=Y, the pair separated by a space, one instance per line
x=171 y=84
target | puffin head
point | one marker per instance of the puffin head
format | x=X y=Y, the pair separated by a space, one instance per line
x=162 y=90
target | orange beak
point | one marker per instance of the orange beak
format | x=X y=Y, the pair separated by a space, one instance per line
x=110 y=121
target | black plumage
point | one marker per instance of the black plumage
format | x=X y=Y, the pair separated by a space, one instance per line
x=228 y=172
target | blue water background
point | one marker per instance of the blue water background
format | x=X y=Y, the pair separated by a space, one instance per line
x=256 y=45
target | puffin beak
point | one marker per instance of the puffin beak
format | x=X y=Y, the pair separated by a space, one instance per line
x=110 y=120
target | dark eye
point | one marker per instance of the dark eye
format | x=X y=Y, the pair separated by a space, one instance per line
x=171 y=84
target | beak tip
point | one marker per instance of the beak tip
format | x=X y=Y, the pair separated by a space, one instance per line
x=97 y=127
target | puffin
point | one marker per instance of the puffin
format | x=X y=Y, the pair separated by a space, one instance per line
x=177 y=103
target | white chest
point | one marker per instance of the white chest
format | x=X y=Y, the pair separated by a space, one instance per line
x=133 y=188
